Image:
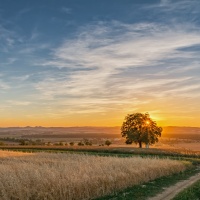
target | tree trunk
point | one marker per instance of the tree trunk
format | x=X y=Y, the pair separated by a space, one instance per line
x=140 y=144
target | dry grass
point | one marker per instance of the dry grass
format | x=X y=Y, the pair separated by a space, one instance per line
x=75 y=176
x=4 y=154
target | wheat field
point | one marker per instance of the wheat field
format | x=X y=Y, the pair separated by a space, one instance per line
x=75 y=176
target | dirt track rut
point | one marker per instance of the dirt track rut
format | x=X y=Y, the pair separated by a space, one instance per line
x=172 y=191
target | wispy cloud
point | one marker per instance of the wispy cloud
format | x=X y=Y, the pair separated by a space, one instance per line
x=177 y=6
x=133 y=46
x=22 y=12
x=6 y=39
x=122 y=63
x=18 y=103
x=4 y=86
x=66 y=10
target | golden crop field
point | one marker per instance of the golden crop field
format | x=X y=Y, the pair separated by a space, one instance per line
x=75 y=176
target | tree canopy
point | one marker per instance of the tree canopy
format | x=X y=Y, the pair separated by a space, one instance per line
x=140 y=128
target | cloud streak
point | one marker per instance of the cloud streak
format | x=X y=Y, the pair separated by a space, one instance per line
x=123 y=61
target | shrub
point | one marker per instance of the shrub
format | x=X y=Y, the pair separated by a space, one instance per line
x=87 y=142
x=108 y=142
x=71 y=143
x=80 y=143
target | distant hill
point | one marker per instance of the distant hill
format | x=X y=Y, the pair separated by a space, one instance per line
x=181 y=130
x=90 y=132
x=189 y=133
x=84 y=129
x=61 y=132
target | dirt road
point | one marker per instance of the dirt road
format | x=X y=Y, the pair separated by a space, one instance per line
x=172 y=191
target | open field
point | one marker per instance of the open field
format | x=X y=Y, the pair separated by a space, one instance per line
x=178 y=141
x=75 y=176
x=185 y=139
x=123 y=151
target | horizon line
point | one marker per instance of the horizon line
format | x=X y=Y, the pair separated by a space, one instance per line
x=86 y=126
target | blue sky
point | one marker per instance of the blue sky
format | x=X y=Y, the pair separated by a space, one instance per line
x=91 y=62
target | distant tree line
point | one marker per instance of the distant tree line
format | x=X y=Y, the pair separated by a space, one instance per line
x=24 y=141
x=21 y=141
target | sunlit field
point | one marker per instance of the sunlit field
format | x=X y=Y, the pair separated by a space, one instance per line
x=10 y=154
x=75 y=176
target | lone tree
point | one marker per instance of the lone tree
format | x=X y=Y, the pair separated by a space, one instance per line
x=140 y=128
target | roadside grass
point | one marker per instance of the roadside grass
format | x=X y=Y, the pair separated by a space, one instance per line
x=152 y=188
x=190 y=193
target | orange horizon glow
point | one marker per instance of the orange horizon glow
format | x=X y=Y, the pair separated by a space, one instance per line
x=94 y=121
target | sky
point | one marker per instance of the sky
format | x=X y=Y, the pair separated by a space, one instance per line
x=92 y=62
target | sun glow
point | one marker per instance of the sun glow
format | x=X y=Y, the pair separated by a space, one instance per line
x=147 y=122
